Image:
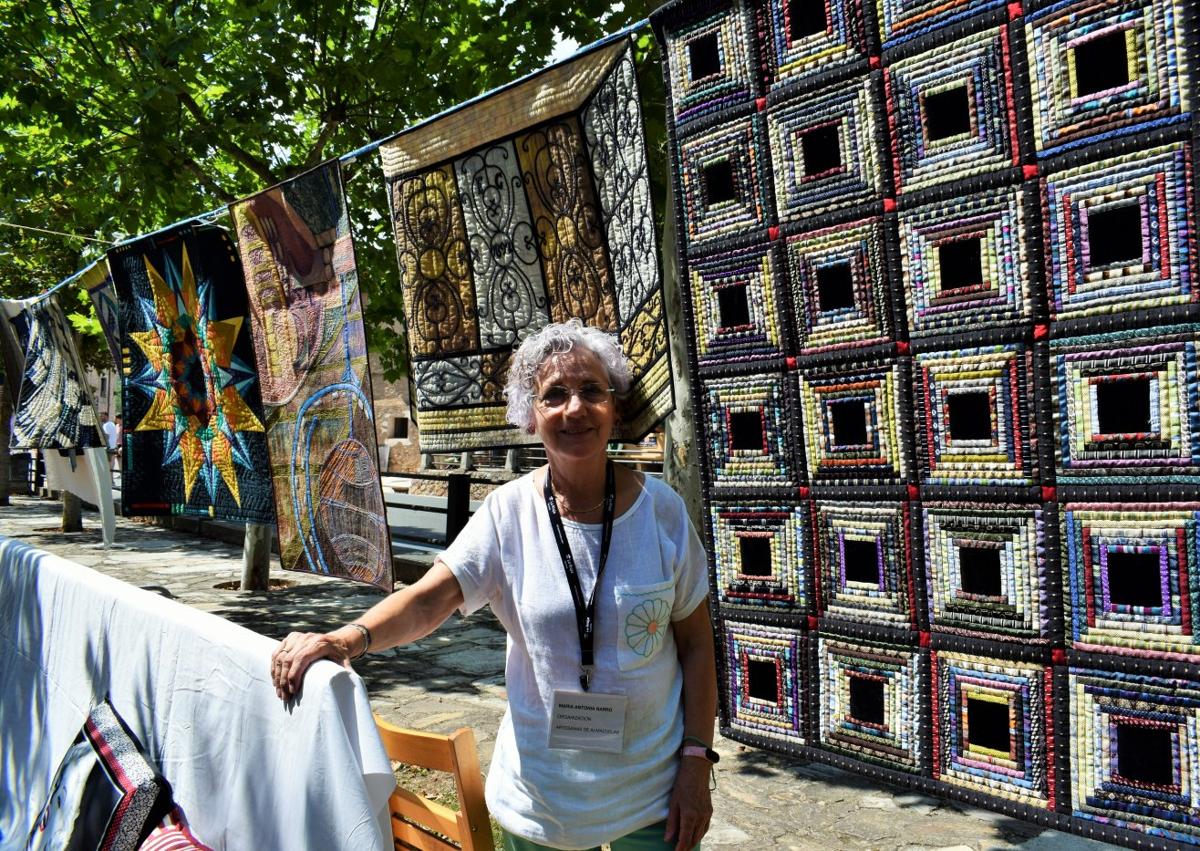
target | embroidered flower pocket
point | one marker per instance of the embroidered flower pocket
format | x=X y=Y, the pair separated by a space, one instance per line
x=643 y=619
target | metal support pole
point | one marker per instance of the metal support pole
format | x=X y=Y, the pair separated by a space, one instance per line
x=458 y=504
x=256 y=557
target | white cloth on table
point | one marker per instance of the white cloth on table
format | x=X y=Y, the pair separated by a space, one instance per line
x=656 y=573
x=195 y=690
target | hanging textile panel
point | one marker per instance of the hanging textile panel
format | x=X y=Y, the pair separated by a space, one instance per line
x=14 y=335
x=97 y=280
x=946 y=253
x=194 y=439
x=82 y=470
x=307 y=326
x=54 y=407
x=527 y=207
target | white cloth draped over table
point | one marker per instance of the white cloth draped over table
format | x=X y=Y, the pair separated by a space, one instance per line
x=194 y=689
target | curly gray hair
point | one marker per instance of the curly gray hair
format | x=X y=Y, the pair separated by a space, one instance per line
x=557 y=339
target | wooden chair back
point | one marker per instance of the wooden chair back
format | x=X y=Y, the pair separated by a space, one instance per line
x=416 y=821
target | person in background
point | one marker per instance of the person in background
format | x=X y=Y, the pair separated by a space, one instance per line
x=600 y=580
x=110 y=438
x=120 y=441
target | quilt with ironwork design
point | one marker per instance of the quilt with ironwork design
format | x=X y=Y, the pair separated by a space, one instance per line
x=529 y=206
x=307 y=327
x=194 y=439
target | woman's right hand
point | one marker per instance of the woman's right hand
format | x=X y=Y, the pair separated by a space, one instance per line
x=298 y=651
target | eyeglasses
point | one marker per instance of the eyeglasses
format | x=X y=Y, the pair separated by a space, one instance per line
x=556 y=396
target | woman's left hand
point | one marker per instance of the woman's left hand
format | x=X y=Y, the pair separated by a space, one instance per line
x=691 y=803
x=297 y=652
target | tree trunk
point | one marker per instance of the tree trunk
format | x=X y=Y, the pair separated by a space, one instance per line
x=72 y=513
x=256 y=557
x=681 y=460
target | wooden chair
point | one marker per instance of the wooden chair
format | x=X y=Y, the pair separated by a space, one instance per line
x=416 y=820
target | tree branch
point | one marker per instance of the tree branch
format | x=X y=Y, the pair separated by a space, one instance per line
x=206 y=181
x=317 y=153
x=228 y=146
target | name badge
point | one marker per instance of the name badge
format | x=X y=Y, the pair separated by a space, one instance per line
x=585 y=721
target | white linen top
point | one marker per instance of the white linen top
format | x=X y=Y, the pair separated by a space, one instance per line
x=656 y=573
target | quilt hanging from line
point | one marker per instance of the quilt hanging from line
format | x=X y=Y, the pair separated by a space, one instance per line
x=194 y=439
x=939 y=265
x=14 y=336
x=527 y=207
x=81 y=470
x=98 y=282
x=307 y=325
x=54 y=407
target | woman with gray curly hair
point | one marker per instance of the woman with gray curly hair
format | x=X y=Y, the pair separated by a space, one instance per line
x=600 y=580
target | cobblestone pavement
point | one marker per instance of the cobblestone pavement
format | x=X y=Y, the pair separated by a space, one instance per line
x=455 y=678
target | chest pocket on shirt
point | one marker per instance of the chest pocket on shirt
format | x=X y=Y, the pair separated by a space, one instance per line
x=643 y=619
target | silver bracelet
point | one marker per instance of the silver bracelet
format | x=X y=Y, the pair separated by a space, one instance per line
x=366 y=634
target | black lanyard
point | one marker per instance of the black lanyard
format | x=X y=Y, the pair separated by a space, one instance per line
x=585 y=613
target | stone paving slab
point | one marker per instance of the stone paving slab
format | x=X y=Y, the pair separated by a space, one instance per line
x=454 y=678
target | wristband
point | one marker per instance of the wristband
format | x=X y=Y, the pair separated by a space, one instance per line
x=705 y=753
x=366 y=634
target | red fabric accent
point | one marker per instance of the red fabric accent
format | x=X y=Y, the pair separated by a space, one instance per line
x=1041 y=331
x=925 y=638
x=760 y=104
x=804 y=493
x=172 y=837
x=889 y=205
x=1049 y=493
x=1015 y=11
x=1058 y=656
x=902 y=348
x=773 y=232
x=874 y=61
x=1029 y=171
x=812 y=622
x=117 y=772
x=914 y=492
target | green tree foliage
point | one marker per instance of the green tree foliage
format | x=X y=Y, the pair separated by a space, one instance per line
x=120 y=116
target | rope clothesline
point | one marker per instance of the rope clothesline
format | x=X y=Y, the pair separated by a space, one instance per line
x=368 y=148
x=55 y=232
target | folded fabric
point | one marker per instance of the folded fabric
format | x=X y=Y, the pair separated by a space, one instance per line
x=173 y=834
x=105 y=795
